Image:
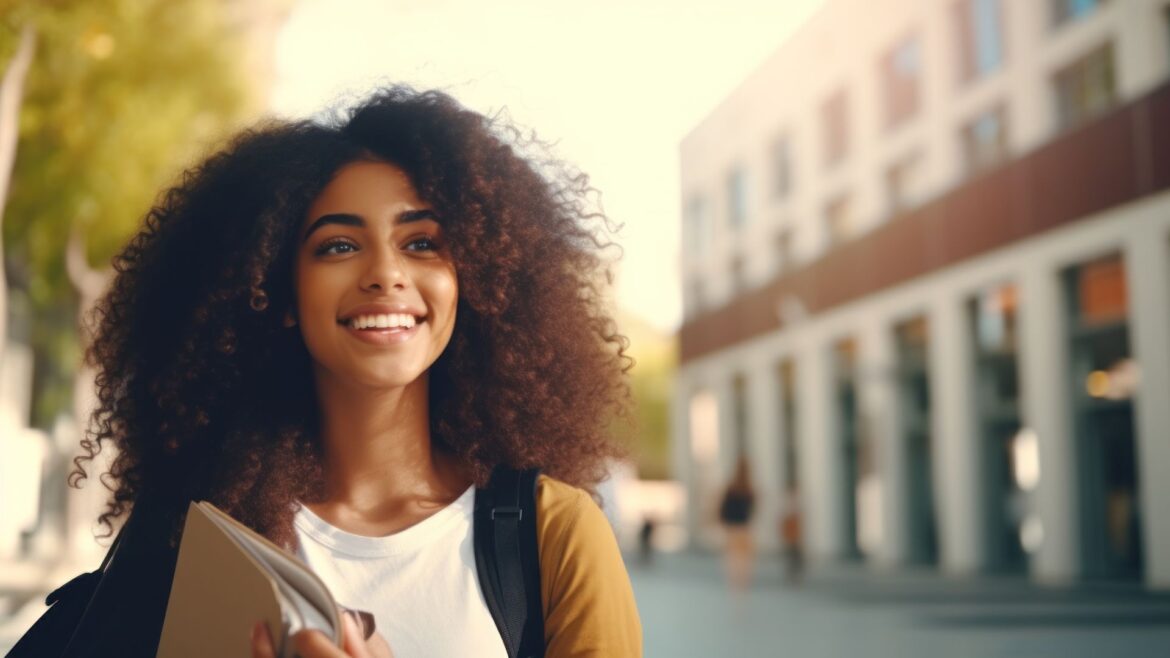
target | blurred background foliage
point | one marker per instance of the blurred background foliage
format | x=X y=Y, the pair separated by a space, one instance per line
x=651 y=383
x=121 y=94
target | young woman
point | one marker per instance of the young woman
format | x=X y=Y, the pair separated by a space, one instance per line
x=735 y=513
x=335 y=333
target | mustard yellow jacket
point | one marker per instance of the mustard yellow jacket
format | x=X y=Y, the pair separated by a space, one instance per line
x=589 y=608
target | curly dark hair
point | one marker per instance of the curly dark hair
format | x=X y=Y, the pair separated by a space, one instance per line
x=207 y=396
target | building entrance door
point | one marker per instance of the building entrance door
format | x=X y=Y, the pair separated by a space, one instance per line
x=914 y=407
x=1104 y=381
x=845 y=401
x=1010 y=462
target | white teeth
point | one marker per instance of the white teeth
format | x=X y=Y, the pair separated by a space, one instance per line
x=383 y=321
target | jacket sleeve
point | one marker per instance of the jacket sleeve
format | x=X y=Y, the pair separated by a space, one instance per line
x=589 y=608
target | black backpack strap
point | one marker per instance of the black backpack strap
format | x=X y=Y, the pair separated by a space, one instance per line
x=507 y=559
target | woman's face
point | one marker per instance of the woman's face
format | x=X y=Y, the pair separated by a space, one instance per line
x=375 y=285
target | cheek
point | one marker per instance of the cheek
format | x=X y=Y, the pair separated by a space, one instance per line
x=315 y=305
x=442 y=292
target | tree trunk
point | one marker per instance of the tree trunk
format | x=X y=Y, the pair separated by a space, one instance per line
x=11 y=92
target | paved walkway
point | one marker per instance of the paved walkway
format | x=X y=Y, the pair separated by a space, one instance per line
x=687 y=611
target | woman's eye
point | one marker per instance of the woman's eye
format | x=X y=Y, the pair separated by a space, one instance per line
x=422 y=243
x=335 y=247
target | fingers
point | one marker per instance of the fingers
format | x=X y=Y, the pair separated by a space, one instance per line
x=314 y=644
x=262 y=641
x=379 y=648
x=351 y=638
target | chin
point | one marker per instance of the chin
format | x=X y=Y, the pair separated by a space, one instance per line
x=390 y=378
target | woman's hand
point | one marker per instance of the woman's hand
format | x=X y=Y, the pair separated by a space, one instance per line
x=314 y=644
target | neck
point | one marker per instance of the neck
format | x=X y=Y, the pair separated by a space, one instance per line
x=378 y=454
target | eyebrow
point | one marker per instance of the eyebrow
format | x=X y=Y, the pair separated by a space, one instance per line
x=350 y=219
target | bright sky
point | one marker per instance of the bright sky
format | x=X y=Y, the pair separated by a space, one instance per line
x=615 y=84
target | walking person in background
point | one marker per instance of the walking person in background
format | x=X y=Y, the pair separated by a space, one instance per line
x=735 y=513
x=791 y=537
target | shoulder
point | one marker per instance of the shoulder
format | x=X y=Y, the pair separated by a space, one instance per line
x=559 y=504
x=589 y=605
x=570 y=527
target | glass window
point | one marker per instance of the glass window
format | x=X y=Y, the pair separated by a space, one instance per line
x=835 y=121
x=857 y=467
x=1166 y=23
x=786 y=373
x=912 y=338
x=785 y=257
x=782 y=167
x=900 y=184
x=1104 y=382
x=738 y=276
x=698 y=226
x=1007 y=449
x=1102 y=295
x=1085 y=88
x=901 y=77
x=740 y=413
x=980 y=36
x=985 y=140
x=1068 y=10
x=737 y=197
x=838 y=224
x=695 y=295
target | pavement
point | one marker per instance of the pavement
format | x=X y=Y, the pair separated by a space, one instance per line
x=687 y=610
x=843 y=611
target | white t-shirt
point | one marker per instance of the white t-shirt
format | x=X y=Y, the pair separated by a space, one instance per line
x=420 y=584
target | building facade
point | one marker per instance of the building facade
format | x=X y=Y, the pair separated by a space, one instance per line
x=926 y=284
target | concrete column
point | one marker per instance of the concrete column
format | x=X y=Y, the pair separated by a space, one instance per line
x=1031 y=115
x=820 y=463
x=763 y=398
x=957 y=463
x=1148 y=279
x=1142 y=60
x=1044 y=389
x=716 y=473
x=682 y=456
x=700 y=415
x=880 y=413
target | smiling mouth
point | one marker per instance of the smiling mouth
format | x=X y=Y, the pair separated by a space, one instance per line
x=383 y=321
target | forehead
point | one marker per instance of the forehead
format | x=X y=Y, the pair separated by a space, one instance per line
x=365 y=187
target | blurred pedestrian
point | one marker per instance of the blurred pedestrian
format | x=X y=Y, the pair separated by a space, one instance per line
x=646 y=541
x=735 y=513
x=791 y=537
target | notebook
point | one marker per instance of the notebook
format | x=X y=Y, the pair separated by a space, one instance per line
x=227 y=578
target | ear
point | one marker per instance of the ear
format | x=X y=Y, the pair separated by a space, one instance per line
x=290 y=320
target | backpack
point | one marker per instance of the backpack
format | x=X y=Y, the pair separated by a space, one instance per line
x=508 y=561
x=90 y=615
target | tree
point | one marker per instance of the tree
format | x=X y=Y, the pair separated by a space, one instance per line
x=651 y=385
x=119 y=96
x=11 y=95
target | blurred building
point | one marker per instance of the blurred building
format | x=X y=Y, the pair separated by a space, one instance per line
x=926 y=275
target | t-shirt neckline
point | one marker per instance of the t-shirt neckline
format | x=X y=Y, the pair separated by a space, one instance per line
x=414 y=538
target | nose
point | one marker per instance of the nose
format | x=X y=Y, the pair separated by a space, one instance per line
x=386 y=271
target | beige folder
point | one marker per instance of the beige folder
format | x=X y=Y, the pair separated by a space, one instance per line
x=229 y=577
